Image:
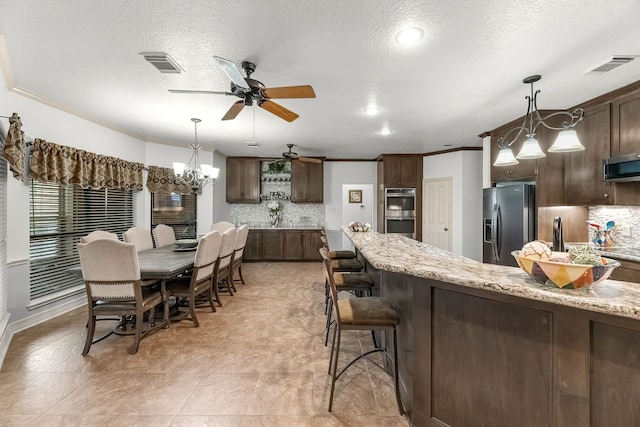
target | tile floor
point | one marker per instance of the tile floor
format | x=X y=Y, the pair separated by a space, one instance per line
x=258 y=361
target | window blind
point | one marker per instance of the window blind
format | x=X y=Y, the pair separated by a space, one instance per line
x=59 y=217
x=176 y=210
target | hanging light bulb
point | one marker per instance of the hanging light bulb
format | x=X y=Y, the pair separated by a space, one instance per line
x=530 y=149
x=195 y=174
x=566 y=142
x=505 y=158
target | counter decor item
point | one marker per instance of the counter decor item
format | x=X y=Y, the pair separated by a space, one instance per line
x=359 y=226
x=186 y=243
x=601 y=234
x=274 y=213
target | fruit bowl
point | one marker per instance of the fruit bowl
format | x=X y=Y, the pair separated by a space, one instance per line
x=563 y=275
x=186 y=243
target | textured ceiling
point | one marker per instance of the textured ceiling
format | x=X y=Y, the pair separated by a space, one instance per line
x=463 y=78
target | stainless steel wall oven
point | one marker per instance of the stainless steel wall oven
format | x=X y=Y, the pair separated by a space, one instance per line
x=400 y=211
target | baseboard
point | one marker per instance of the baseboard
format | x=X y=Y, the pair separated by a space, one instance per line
x=9 y=329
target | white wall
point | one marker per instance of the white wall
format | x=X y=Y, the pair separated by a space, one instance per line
x=465 y=169
x=336 y=174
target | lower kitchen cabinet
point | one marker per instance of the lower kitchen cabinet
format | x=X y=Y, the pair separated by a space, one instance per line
x=283 y=245
x=628 y=271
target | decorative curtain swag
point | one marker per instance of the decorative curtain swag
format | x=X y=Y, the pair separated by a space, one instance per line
x=164 y=179
x=64 y=165
x=14 y=147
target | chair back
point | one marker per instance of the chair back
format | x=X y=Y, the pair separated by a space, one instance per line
x=324 y=241
x=241 y=241
x=207 y=256
x=328 y=273
x=98 y=234
x=227 y=247
x=222 y=226
x=140 y=237
x=110 y=270
x=164 y=235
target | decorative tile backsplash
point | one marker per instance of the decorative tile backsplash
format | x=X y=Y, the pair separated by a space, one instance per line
x=293 y=214
x=627 y=218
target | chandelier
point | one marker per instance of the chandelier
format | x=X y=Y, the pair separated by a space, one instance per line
x=567 y=140
x=195 y=174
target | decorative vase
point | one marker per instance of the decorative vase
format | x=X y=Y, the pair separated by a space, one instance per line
x=274 y=220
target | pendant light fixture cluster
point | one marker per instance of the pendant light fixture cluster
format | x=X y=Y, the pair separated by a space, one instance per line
x=567 y=140
x=193 y=173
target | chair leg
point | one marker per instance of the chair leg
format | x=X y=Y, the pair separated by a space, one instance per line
x=91 y=327
x=329 y=314
x=192 y=309
x=396 y=381
x=138 y=334
x=240 y=274
x=333 y=369
x=210 y=296
x=231 y=284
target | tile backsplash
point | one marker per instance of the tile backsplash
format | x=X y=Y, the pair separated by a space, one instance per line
x=294 y=214
x=626 y=218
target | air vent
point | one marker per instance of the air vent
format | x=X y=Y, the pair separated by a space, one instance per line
x=162 y=61
x=615 y=62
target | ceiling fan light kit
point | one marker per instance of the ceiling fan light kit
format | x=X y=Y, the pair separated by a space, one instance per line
x=195 y=174
x=567 y=140
x=252 y=91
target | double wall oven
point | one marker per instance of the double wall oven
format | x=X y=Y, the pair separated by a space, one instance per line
x=400 y=211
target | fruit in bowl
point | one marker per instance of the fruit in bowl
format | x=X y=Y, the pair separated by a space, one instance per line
x=186 y=243
x=562 y=271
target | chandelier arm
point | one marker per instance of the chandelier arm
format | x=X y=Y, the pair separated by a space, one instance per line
x=575 y=117
x=502 y=139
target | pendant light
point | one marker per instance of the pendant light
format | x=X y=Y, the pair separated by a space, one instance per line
x=195 y=174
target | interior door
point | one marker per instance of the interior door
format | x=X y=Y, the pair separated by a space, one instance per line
x=436 y=196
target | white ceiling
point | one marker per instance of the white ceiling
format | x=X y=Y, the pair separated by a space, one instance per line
x=463 y=78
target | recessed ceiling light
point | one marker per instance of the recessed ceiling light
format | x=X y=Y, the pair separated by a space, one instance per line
x=409 y=36
x=372 y=110
x=385 y=131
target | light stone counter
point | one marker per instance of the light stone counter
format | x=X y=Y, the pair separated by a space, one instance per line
x=399 y=254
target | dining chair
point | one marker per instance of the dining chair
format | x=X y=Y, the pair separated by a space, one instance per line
x=241 y=241
x=225 y=270
x=222 y=226
x=140 y=237
x=98 y=234
x=111 y=273
x=164 y=235
x=366 y=313
x=201 y=279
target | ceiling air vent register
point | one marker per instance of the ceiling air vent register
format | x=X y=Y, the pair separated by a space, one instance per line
x=162 y=61
x=615 y=62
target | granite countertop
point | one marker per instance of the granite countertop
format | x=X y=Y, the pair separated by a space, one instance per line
x=283 y=227
x=399 y=254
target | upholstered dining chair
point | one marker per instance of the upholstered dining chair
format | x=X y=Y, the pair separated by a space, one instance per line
x=241 y=241
x=201 y=279
x=140 y=237
x=98 y=234
x=164 y=235
x=366 y=313
x=222 y=226
x=111 y=274
x=225 y=270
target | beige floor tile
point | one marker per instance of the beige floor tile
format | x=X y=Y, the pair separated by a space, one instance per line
x=337 y=419
x=103 y=420
x=277 y=421
x=282 y=394
x=221 y=394
x=207 y=421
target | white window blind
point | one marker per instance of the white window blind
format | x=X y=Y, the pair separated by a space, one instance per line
x=59 y=217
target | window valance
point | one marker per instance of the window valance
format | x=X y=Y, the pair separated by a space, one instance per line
x=164 y=179
x=14 y=147
x=64 y=165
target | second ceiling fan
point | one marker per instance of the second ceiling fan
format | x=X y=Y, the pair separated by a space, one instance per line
x=250 y=90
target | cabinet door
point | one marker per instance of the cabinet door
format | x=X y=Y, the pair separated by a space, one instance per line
x=251 y=183
x=392 y=172
x=235 y=180
x=315 y=182
x=292 y=245
x=585 y=183
x=311 y=245
x=409 y=172
x=272 y=248
x=299 y=181
x=243 y=180
x=550 y=180
x=253 y=247
x=625 y=135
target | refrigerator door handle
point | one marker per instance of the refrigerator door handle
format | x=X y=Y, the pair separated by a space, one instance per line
x=498 y=228
x=494 y=232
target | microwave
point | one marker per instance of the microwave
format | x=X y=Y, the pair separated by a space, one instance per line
x=622 y=168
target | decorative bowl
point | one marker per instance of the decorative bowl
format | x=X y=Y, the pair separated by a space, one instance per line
x=359 y=226
x=186 y=243
x=563 y=275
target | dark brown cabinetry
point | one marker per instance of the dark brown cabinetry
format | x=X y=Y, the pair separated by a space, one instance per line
x=585 y=182
x=283 y=245
x=243 y=180
x=625 y=120
x=628 y=271
x=402 y=171
x=550 y=179
x=307 y=182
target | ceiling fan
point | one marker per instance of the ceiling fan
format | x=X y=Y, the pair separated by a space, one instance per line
x=288 y=156
x=250 y=90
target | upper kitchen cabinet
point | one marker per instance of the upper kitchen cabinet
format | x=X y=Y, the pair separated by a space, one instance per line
x=625 y=120
x=243 y=180
x=550 y=179
x=402 y=171
x=585 y=182
x=524 y=170
x=307 y=182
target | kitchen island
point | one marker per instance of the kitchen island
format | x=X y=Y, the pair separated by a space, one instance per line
x=484 y=345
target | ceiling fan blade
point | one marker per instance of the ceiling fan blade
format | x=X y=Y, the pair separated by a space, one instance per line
x=234 y=110
x=232 y=71
x=305 y=91
x=308 y=159
x=278 y=110
x=206 y=92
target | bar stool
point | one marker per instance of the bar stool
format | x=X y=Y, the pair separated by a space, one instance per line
x=367 y=313
x=342 y=265
x=341 y=254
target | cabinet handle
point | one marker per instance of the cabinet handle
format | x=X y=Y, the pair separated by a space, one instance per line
x=606 y=195
x=446 y=229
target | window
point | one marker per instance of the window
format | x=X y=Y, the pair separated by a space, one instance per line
x=175 y=210
x=59 y=216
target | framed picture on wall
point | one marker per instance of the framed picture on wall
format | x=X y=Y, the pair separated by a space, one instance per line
x=355 y=196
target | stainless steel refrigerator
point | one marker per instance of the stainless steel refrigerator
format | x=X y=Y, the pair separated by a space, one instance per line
x=509 y=220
